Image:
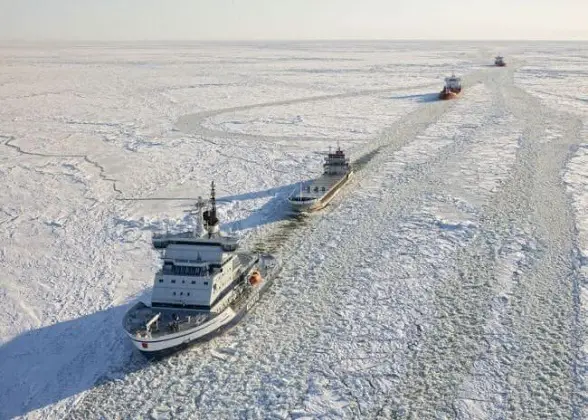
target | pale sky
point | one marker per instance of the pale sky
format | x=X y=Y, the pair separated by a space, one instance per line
x=292 y=19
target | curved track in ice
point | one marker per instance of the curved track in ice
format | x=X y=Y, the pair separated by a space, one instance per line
x=74 y=256
x=442 y=282
x=450 y=286
x=194 y=123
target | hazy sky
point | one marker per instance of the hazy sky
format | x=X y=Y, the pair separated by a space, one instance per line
x=292 y=19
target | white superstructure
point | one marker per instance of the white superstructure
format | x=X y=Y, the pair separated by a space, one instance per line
x=453 y=83
x=203 y=285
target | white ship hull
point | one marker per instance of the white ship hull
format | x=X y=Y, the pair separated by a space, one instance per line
x=177 y=340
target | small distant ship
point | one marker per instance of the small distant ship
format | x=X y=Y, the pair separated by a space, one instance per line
x=205 y=284
x=499 y=61
x=316 y=194
x=452 y=88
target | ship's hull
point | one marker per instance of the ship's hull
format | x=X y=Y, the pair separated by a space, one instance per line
x=449 y=94
x=171 y=343
x=319 y=202
x=163 y=345
x=500 y=64
x=305 y=206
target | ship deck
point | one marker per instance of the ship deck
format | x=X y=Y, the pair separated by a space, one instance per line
x=135 y=320
x=324 y=183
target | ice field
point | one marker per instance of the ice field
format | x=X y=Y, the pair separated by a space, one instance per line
x=449 y=279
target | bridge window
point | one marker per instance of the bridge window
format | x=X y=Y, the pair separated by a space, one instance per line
x=188 y=271
x=206 y=283
x=193 y=281
x=173 y=281
x=161 y=280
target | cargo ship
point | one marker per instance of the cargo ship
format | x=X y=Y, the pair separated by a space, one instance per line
x=452 y=88
x=316 y=194
x=499 y=61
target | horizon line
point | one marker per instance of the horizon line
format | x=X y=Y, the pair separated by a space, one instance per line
x=258 y=40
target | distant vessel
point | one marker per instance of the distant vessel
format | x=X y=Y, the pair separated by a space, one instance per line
x=452 y=87
x=499 y=61
x=205 y=284
x=316 y=194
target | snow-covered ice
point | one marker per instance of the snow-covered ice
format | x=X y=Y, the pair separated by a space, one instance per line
x=447 y=280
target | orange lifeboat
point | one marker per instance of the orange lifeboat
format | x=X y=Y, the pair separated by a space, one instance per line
x=255 y=278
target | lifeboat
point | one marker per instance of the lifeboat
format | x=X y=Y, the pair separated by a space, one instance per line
x=255 y=278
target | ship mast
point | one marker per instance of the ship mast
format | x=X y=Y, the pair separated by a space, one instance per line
x=213 y=219
x=210 y=216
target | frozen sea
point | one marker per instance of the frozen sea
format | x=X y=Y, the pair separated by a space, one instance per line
x=448 y=280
